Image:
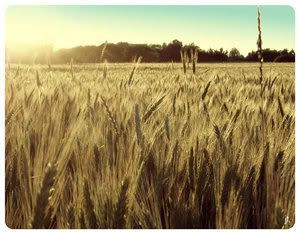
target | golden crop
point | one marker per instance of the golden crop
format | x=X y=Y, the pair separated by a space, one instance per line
x=147 y=146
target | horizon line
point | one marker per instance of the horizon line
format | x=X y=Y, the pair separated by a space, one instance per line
x=32 y=46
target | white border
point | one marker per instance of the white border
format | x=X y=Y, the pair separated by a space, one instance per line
x=4 y=4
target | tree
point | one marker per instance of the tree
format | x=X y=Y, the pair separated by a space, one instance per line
x=125 y=52
x=235 y=55
x=171 y=52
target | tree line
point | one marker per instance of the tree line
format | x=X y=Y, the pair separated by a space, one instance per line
x=123 y=52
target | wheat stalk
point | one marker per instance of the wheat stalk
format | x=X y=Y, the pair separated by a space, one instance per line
x=138 y=128
x=130 y=80
x=183 y=60
x=89 y=208
x=121 y=206
x=259 y=46
x=42 y=201
x=205 y=90
x=103 y=51
x=110 y=116
x=153 y=108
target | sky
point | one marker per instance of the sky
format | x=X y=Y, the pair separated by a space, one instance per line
x=206 y=26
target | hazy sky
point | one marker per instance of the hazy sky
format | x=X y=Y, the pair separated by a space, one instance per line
x=206 y=26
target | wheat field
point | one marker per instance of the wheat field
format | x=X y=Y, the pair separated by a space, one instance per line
x=147 y=146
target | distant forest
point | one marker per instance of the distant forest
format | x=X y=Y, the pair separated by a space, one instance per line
x=123 y=52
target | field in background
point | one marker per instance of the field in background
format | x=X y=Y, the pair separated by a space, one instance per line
x=145 y=146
